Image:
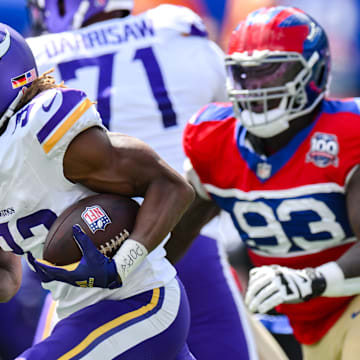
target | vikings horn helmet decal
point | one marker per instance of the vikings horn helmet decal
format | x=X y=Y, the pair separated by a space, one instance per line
x=5 y=44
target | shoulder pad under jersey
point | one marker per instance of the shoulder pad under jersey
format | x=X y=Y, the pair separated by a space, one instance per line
x=213 y=112
x=206 y=131
x=56 y=116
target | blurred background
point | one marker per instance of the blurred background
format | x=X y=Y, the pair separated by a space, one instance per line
x=340 y=20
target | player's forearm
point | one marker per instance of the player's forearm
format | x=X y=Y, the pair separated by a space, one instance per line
x=165 y=202
x=343 y=276
x=349 y=262
x=199 y=214
x=8 y=288
x=10 y=275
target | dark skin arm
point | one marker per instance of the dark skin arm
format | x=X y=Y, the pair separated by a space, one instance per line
x=199 y=213
x=349 y=262
x=115 y=163
x=10 y=275
x=120 y=164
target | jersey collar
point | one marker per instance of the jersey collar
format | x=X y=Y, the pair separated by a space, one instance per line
x=266 y=167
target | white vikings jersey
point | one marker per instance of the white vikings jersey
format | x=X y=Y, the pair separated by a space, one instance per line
x=35 y=191
x=148 y=53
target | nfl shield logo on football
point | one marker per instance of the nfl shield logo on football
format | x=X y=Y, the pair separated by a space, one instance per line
x=263 y=170
x=95 y=218
x=324 y=150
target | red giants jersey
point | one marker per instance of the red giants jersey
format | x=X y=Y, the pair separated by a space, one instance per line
x=289 y=208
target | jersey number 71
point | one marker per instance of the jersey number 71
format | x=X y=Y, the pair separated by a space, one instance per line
x=105 y=64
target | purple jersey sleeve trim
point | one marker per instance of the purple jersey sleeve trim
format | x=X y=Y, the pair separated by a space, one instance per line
x=195 y=31
x=5 y=233
x=70 y=99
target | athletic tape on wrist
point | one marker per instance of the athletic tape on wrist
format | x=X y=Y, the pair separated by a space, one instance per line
x=129 y=257
x=336 y=284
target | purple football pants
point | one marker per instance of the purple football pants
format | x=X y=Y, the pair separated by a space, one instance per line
x=108 y=324
x=20 y=316
x=219 y=328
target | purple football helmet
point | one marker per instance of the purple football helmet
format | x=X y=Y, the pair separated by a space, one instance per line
x=17 y=66
x=55 y=16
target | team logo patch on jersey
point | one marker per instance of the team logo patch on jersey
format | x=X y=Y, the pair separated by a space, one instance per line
x=95 y=218
x=324 y=150
x=7 y=212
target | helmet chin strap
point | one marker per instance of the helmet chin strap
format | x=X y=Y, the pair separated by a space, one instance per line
x=11 y=109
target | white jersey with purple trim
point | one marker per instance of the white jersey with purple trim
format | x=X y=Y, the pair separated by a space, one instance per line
x=138 y=70
x=35 y=191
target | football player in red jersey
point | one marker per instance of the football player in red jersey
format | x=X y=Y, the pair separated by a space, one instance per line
x=162 y=64
x=283 y=159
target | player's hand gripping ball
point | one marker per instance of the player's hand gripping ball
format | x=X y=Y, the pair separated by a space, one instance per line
x=81 y=255
x=107 y=219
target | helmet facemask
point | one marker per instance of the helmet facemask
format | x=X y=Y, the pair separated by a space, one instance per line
x=270 y=88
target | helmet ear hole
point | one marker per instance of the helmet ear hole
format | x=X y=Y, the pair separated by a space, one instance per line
x=320 y=75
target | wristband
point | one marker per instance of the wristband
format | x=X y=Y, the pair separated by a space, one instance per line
x=336 y=284
x=130 y=255
x=318 y=282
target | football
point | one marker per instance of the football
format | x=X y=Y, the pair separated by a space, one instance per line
x=107 y=219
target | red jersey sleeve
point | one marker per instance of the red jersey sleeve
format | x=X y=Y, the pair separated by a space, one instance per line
x=205 y=135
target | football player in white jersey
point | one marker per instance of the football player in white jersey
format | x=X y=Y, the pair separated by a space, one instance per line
x=149 y=73
x=55 y=151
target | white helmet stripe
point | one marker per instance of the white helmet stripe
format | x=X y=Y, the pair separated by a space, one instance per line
x=119 y=5
x=5 y=44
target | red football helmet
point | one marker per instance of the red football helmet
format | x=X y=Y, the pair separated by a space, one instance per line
x=278 y=66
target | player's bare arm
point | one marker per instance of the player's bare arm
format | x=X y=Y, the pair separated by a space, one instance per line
x=10 y=275
x=332 y=279
x=349 y=262
x=200 y=212
x=116 y=163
